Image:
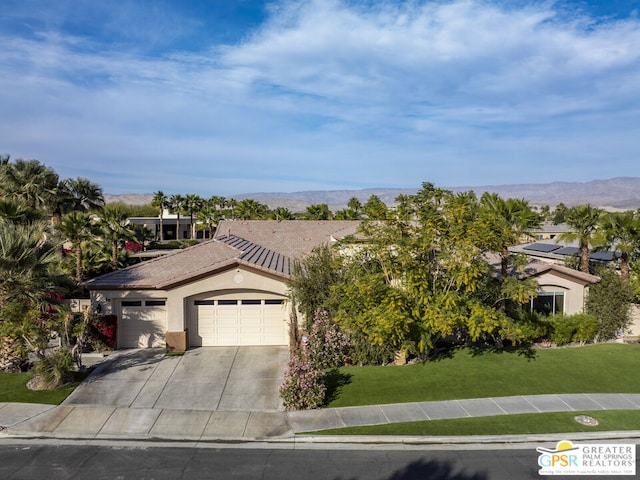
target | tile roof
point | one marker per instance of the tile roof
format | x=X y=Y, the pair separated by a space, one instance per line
x=270 y=246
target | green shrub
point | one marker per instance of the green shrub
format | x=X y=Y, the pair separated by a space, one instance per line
x=54 y=370
x=580 y=327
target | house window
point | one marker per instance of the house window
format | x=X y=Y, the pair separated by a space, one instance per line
x=131 y=303
x=155 y=303
x=251 y=302
x=274 y=302
x=205 y=302
x=548 y=303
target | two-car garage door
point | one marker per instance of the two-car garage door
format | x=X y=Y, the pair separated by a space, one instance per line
x=232 y=321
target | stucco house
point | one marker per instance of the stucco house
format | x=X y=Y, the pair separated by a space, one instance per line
x=231 y=290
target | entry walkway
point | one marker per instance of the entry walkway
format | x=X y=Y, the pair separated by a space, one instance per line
x=19 y=420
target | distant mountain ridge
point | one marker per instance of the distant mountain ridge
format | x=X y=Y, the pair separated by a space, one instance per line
x=620 y=193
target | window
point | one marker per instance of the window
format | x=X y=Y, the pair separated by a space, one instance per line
x=155 y=303
x=227 y=302
x=548 y=303
x=251 y=302
x=274 y=302
x=205 y=302
x=131 y=303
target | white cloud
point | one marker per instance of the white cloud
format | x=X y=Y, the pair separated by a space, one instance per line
x=328 y=92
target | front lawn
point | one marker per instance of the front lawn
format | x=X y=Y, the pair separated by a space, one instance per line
x=13 y=389
x=525 y=424
x=470 y=373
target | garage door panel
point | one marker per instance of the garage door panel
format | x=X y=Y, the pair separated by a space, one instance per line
x=238 y=322
x=142 y=326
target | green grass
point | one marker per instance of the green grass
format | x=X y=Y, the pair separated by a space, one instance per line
x=530 y=423
x=468 y=373
x=13 y=389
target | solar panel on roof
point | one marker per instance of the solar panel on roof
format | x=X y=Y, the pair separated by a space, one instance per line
x=568 y=251
x=542 y=247
x=603 y=255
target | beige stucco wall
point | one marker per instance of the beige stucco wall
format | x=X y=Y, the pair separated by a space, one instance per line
x=575 y=291
x=240 y=281
x=633 y=331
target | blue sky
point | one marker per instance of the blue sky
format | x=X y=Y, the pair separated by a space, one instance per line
x=226 y=97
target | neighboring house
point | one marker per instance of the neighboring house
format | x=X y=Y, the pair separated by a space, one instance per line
x=231 y=290
x=547 y=231
x=168 y=226
x=561 y=290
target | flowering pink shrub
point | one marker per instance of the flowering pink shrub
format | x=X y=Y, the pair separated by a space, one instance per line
x=304 y=385
x=327 y=345
x=132 y=246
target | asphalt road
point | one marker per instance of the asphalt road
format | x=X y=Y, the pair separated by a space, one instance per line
x=51 y=462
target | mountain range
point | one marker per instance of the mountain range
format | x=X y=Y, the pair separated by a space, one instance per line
x=620 y=193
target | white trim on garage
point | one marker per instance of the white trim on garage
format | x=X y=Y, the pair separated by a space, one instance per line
x=142 y=323
x=241 y=319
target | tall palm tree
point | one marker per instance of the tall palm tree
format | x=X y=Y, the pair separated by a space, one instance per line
x=76 y=195
x=160 y=201
x=77 y=228
x=114 y=230
x=620 y=232
x=509 y=219
x=584 y=219
x=318 y=211
x=176 y=204
x=209 y=216
x=281 y=213
x=192 y=203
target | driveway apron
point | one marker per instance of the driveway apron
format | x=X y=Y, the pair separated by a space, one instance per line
x=208 y=378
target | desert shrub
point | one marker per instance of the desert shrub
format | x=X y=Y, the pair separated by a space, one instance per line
x=362 y=352
x=54 y=370
x=304 y=385
x=533 y=327
x=609 y=301
x=580 y=327
x=327 y=345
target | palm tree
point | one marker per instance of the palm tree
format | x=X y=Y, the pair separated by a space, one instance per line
x=77 y=228
x=192 y=203
x=209 y=216
x=114 y=230
x=509 y=220
x=176 y=203
x=17 y=212
x=318 y=211
x=584 y=219
x=75 y=195
x=160 y=201
x=281 y=213
x=30 y=182
x=620 y=232
x=249 y=209
x=29 y=264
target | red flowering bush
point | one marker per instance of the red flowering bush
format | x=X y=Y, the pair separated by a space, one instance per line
x=132 y=246
x=102 y=331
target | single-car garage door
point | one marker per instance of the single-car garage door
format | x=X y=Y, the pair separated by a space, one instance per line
x=143 y=323
x=226 y=322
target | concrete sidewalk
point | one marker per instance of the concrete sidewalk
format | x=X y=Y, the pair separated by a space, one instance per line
x=111 y=422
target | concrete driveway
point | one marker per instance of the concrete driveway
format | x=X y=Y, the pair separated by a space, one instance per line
x=208 y=378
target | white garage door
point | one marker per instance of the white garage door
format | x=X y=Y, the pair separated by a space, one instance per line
x=238 y=322
x=143 y=323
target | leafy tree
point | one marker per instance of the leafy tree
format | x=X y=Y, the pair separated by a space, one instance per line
x=318 y=211
x=312 y=280
x=560 y=213
x=160 y=201
x=584 y=219
x=609 y=301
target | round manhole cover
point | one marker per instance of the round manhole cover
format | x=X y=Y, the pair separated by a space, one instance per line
x=586 y=420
